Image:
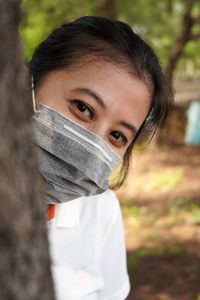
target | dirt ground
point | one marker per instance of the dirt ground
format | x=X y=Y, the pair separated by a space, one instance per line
x=161 y=208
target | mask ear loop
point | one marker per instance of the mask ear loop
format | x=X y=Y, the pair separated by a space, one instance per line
x=33 y=94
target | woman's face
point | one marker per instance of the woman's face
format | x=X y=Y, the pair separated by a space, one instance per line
x=101 y=97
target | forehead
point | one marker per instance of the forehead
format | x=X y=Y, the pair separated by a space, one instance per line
x=123 y=93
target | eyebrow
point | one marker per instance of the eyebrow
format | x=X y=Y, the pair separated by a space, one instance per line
x=91 y=93
x=100 y=101
x=130 y=127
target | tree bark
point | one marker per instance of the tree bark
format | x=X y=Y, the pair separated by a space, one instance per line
x=24 y=258
x=108 y=9
x=182 y=39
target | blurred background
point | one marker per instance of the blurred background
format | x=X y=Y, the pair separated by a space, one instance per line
x=160 y=199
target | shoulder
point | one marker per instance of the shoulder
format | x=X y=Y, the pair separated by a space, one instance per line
x=100 y=206
x=102 y=212
x=112 y=251
x=109 y=210
x=110 y=221
x=108 y=203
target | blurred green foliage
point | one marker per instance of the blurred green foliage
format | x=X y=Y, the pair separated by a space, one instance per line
x=167 y=179
x=40 y=17
x=134 y=258
x=157 y=21
x=198 y=297
x=184 y=204
x=180 y=204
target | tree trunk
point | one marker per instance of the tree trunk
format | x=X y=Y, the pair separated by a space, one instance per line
x=108 y=9
x=24 y=258
x=182 y=39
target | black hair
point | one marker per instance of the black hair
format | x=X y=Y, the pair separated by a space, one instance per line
x=117 y=43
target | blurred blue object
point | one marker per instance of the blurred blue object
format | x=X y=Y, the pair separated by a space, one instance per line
x=193 y=125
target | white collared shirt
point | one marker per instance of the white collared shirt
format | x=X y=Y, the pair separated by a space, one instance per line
x=87 y=249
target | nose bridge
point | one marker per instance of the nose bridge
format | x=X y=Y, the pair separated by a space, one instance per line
x=101 y=129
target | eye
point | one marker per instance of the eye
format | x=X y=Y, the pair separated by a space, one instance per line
x=83 y=109
x=118 y=138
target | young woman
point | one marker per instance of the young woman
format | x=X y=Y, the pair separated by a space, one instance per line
x=97 y=88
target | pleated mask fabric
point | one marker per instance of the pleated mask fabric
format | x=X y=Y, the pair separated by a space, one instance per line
x=73 y=161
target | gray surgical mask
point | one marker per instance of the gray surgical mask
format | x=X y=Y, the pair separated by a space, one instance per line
x=73 y=161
